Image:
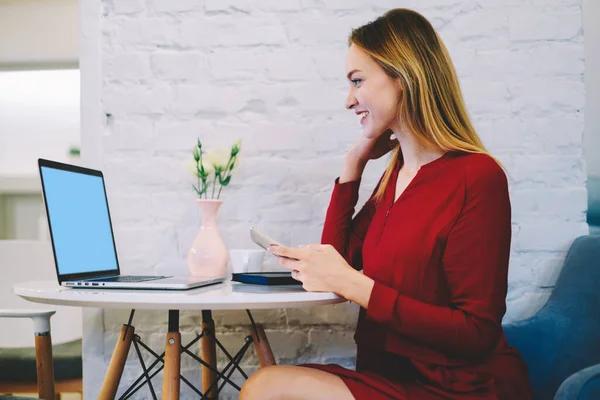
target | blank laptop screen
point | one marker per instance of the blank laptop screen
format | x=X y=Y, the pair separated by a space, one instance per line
x=79 y=220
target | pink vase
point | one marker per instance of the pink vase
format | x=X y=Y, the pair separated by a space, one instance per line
x=208 y=255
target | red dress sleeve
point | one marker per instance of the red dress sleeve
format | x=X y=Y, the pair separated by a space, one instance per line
x=344 y=233
x=475 y=263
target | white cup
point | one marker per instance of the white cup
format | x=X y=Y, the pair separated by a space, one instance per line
x=246 y=260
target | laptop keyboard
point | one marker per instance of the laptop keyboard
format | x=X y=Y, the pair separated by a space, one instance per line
x=130 y=278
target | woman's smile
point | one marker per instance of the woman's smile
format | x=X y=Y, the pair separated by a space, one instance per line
x=363 y=115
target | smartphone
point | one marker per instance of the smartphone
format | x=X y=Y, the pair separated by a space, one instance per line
x=264 y=241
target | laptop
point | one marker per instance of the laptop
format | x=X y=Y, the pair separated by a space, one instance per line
x=83 y=242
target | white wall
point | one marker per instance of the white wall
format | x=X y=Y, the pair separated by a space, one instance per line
x=39 y=110
x=39 y=117
x=591 y=27
x=38 y=33
x=272 y=72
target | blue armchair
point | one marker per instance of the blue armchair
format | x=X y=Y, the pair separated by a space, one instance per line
x=582 y=385
x=563 y=338
x=593 y=212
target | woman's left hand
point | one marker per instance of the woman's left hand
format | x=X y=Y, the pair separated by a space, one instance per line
x=319 y=267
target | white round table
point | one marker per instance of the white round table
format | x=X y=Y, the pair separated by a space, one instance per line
x=222 y=296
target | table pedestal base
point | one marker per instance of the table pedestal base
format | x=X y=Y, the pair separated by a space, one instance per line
x=117 y=363
x=262 y=347
x=209 y=354
x=171 y=357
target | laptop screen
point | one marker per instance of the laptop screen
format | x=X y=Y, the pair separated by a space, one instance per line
x=79 y=219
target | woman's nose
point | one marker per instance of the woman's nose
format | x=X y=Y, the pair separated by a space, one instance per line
x=350 y=101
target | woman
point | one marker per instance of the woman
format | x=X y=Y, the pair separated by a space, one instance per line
x=433 y=240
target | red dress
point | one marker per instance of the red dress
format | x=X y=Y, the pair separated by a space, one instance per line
x=439 y=258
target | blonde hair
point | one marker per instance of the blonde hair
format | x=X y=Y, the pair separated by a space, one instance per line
x=431 y=107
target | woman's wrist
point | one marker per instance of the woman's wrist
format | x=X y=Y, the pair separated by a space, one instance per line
x=353 y=168
x=357 y=288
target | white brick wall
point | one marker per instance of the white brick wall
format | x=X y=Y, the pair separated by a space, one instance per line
x=591 y=16
x=272 y=72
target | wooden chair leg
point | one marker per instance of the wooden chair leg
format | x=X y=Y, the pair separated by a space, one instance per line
x=44 y=366
x=117 y=363
x=262 y=347
x=170 y=387
x=209 y=356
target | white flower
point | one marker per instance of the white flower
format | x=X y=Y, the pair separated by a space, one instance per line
x=190 y=166
x=219 y=158
x=208 y=167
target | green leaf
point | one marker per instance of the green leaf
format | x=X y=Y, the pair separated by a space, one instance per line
x=230 y=163
x=225 y=182
x=235 y=149
x=197 y=191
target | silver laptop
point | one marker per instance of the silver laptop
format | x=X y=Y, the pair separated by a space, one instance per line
x=83 y=242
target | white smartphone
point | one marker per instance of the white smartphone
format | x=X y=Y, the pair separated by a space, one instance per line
x=264 y=241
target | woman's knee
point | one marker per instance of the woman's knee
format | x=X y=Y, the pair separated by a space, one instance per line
x=261 y=384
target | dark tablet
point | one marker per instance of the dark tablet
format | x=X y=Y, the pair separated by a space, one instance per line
x=265 y=278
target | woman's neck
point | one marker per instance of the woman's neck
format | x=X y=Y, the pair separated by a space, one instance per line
x=414 y=153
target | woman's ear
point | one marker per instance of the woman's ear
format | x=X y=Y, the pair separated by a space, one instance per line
x=398 y=84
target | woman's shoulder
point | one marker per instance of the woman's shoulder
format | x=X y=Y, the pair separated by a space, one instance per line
x=480 y=168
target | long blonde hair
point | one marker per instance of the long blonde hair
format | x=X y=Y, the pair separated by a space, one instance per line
x=431 y=107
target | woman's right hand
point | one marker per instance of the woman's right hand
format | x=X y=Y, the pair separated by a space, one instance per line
x=366 y=149
x=363 y=151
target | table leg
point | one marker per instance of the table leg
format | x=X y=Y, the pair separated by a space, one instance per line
x=170 y=388
x=209 y=355
x=117 y=363
x=262 y=346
